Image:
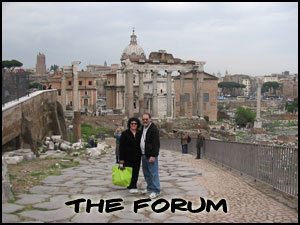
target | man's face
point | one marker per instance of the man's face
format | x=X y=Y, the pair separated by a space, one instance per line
x=146 y=120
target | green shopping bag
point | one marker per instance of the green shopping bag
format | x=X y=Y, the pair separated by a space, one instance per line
x=121 y=177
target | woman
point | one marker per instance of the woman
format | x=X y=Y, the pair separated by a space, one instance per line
x=117 y=135
x=130 y=151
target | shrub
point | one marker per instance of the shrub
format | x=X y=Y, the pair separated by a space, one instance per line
x=243 y=116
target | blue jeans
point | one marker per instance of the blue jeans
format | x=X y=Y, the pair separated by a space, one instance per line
x=151 y=176
x=198 y=152
x=184 y=149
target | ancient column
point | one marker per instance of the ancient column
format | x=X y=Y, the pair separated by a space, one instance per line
x=181 y=100
x=194 y=94
x=258 y=122
x=75 y=86
x=125 y=101
x=141 y=92
x=169 y=94
x=77 y=126
x=63 y=91
x=200 y=74
x=258 y=100
x=129 y=75
x=76 y=119
x=154 y=95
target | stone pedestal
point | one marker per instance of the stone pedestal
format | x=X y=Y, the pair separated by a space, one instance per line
x=258 y=124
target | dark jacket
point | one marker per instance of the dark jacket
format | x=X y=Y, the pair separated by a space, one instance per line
x=200 y=140
x=130 y=146
x=152 y=143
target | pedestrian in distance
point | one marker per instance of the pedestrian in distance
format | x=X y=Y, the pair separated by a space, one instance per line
x=150 y=145
x=184 y=142
x=130 y=151
x=117 y=135
x=200 y=143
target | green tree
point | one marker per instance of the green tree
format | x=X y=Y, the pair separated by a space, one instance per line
x=36 y=85
x=11 y=64
x=230 y=87
x=243 y=116
x=292 y=107
x=270 y=86
x=54 y=67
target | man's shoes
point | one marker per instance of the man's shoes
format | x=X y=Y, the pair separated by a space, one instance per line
x=197 y=158
x=145 y=191
x=154 y=195
x=133 y=191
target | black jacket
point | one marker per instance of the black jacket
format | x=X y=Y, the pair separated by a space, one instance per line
x=129 y=147
x=152 y=142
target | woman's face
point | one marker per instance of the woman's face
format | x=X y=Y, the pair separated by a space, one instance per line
x=133 y=125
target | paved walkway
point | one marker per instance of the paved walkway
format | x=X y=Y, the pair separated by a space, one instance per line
x=181 y=177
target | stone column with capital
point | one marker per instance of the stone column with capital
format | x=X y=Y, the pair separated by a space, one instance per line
x=125 y=100
x=141 y=92
x=257 y=122
x=75 y=86
x=181 y=100
x=154 y=95
x=129 y=74
x=200 y=75
x=63 y=91
x=194 y=94
x=169 y=94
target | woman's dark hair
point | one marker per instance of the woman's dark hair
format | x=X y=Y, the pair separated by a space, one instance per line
x=134 y=119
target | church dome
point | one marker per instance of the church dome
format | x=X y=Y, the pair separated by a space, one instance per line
x=133 y=51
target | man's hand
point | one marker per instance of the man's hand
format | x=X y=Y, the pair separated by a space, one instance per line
x=152 y=159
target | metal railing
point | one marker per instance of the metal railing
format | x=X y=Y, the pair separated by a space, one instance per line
x=275 y=166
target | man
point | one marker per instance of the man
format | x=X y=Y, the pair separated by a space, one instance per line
x=150 y=149
x=200 y=142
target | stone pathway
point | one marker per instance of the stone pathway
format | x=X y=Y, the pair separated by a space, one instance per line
x=181 y=176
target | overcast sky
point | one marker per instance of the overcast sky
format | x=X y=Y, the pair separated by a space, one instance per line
x=242 y=38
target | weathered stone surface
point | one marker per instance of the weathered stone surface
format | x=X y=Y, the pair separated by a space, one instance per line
x=8 y=218
x=49 y=216
x=10 y=208
x=43 y=189
x=55 y=203
x=30 y=199
x=14 y=159
x=92 y=217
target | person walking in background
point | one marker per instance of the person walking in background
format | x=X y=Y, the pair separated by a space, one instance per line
x=130 y=151
x=184 y=142
x=117 y=135
x=150 y=145
x=200 y=143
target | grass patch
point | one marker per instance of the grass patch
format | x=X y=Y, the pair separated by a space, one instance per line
x=37 y=174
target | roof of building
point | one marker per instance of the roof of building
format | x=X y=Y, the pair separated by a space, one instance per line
x=189 y=74
x=133 y=50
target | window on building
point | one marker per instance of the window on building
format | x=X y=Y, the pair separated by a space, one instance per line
x=206 y=97
x=70 y=103
x=186 y=97
x=70 y=83
x=85 y=92
x=80 y=83
x=59 y=92
x=86 y=102
x=90 y=82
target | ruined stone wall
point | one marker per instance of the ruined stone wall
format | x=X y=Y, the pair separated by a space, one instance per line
x=30 y=119
x=210 y=87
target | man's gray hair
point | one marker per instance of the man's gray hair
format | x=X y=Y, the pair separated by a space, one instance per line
x=147 y=114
